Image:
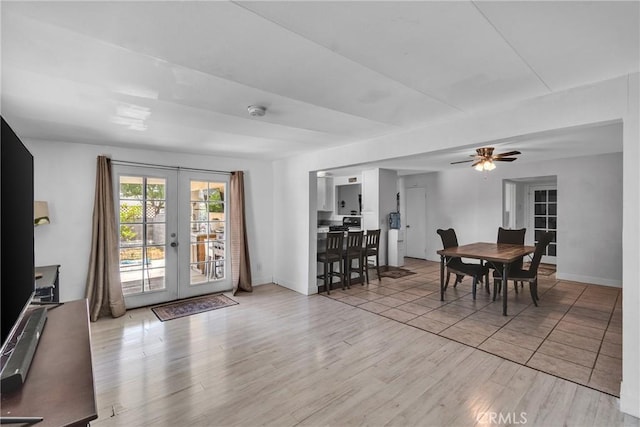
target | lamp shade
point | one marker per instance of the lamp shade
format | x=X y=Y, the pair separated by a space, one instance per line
x=40 y=213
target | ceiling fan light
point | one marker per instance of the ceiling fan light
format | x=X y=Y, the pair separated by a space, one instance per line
x=479 y=167
x=489 y=165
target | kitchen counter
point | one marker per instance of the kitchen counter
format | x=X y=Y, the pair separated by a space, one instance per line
x=324 y=230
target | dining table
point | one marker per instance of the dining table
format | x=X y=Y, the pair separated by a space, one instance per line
x=493 y=253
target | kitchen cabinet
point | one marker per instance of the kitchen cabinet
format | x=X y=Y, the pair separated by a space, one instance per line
x=325 y=194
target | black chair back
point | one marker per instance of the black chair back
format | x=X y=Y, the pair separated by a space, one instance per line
x=448 y=236
x=372 y=240
x=514 y=237
x=450 y=240
x=354 y=241
x=545 y=239
x=334 y=242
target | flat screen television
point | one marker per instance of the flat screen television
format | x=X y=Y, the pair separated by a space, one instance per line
x=17 y=281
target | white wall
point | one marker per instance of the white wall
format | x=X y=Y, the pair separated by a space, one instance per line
x=387 y=203
x=630 y=387
x=295 y=262
x=612 y=100
x=65 y=177
x=589 y=211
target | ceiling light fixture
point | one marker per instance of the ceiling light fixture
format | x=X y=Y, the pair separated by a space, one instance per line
x=256 y=110
x=485 y=165
x=484 y=159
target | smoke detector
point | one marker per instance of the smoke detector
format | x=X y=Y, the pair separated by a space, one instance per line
x=256 y=110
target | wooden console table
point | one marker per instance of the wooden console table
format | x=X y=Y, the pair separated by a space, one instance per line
x=59 y=386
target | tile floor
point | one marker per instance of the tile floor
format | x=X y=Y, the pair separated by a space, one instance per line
x=575 y=333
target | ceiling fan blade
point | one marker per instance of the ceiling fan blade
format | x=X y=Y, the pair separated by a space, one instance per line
x=476 y=163
x=462 y=161
x=510 y=153
x=504 y=159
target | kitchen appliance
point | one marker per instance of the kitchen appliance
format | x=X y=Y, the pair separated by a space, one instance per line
x=395 y=248
x=352 y=222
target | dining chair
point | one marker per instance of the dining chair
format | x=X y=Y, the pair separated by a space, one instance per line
x=456 y=266
x=514 y=237
x=332 y=254
x=530 y=275
x=371 y=248
x=353 y=251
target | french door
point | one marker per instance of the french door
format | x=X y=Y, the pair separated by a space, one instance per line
x=204 y=260
x=543 y=205
x=172 y=240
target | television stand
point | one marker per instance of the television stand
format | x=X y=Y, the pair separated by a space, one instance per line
x=17 y=366
x=59 y=386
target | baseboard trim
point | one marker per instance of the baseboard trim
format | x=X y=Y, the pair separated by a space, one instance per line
x=589 y=279
x=629 y=400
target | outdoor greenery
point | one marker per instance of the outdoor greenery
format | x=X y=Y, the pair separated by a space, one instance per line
x=129 y=214
x=133 y=212
x=155 y=195
x=215 y=201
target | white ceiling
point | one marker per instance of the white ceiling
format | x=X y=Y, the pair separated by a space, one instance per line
x=590 y=140
x=178 y=76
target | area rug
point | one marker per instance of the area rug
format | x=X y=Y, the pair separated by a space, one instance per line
x=191 y=306
x=395 y=272
x=543 y=269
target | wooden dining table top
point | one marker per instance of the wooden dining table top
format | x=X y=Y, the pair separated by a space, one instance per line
x=495 y=252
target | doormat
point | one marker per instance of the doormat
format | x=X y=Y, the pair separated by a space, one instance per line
x=191 y=306
x=543 y=269
x=395 y=272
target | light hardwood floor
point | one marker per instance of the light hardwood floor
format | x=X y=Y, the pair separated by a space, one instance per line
x=575 y=333
x=280 y=358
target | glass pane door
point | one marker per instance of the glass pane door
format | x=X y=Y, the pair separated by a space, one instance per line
x=205 y=204
x=545 y=218
x=147 y=226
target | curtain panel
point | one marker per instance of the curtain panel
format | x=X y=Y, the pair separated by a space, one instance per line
x=104 y=290
x=240 y=263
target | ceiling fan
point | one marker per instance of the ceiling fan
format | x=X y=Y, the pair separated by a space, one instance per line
x=484 y=158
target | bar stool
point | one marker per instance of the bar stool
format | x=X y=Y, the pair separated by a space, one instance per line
x=371 y=248
x=353 y=251
x=332 y=254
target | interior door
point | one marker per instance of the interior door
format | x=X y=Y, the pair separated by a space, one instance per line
x=205 y=255
x=543 y=217
x=416 y=223
x=146 y=200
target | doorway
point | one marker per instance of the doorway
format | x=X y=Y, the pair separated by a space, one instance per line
x=543 y=217
x=416 y=223
x=172 y=239
x=532 y=203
